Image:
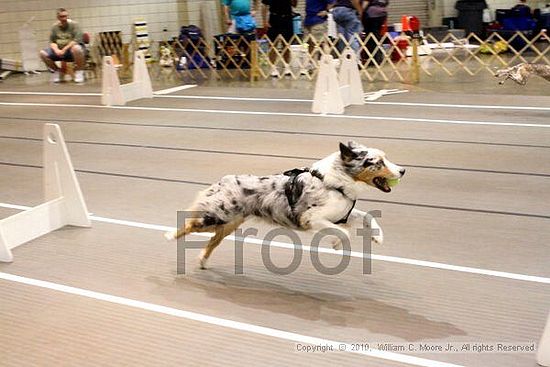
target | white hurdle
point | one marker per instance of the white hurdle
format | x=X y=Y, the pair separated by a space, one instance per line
x=543 y=353
x=64 y=201
x=334 y=91
x=114 y=94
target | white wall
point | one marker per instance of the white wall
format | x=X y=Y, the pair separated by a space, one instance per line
x=448 y=6
x=100 y=15
x=104 y=15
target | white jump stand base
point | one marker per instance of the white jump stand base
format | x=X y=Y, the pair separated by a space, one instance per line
x=114 y=94
x=64 y=201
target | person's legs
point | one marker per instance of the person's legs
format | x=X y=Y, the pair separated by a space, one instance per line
x=280 y=27
x=312 y=40
x=77 y=52
x=354 y=28
x=339 y=17
x=79 y=58
x=373 y=27
x=316 y=36
x=287 y=31
x=273 y=34
x=348 y=24
x=49 y=58
x=319 y=32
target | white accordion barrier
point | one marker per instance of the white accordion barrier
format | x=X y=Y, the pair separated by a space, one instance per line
x=114 y=94
x=336 y=90
x=64 y=201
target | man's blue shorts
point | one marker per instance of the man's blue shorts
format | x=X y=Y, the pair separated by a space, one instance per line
x=67 y=56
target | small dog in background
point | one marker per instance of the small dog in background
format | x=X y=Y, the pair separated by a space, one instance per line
x=521 y=72
x=166 y=57
x=315 y=198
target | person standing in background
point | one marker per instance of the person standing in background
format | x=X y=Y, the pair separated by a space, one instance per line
x=347 y=16
x=239 y=15
x=374 y=17
x=315 y=25
x=279 y=23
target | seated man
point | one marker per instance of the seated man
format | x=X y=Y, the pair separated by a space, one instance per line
x=65 y=45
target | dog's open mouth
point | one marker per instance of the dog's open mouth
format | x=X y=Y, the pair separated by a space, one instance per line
x=382 y=184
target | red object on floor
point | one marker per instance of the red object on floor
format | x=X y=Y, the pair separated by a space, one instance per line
x=402 y=44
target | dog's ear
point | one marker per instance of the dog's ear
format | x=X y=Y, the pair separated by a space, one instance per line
x=353 y=144
x=346 y=153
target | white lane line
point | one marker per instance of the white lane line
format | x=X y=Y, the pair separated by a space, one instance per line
x=356 y=254
x=175 y=89
x=212 y=320
x=14 y=206
x=48 y=94
x=292 y=100
x=247 y=99
x=472 y=106
x=401 y=260
x=296 y=114
x=410 y=104
x=130 y=223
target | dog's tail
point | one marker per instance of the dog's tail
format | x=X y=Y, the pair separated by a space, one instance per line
x=192 y=225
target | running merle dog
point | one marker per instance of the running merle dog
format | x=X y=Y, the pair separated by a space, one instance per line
x=521 y=72
x=315 y=198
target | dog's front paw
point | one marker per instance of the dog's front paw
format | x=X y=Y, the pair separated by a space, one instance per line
x=337 y=244
x=378 y=236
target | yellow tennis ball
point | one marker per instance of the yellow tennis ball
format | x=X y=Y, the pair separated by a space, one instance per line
x=392 y=181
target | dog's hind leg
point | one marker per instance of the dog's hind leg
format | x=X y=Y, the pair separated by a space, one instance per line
x=193 y=225
x=323 y=224
x=220 y=233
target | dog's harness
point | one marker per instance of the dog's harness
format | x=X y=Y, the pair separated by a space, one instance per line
x=293 y=192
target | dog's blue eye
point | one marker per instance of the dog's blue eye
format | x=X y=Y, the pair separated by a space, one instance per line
x=367 y=163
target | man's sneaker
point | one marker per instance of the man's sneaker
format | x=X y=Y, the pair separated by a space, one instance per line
x=275 y=73
x=287 y=71
x=79 y=76
x=56 y=76
x=304 y=71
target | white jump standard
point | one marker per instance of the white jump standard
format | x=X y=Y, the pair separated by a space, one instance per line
x=335 y=91
x=114 y=94
x=64 y=201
